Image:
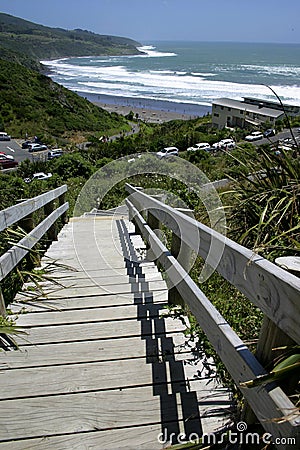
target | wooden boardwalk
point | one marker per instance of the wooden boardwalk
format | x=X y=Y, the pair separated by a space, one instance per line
x=102 y=366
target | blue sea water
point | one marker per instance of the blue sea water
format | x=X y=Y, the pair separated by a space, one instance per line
x=187 y=72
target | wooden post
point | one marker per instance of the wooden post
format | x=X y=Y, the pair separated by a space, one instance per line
x=27 y=224
x=64 y=216
x=270 y=337
x=52 y=232
x=2 y=304
x=182 y=253
x=137 y=230
x=154 y=224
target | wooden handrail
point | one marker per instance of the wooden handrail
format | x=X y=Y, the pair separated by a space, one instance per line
x=23 y=212
x=269 y=287
x=15 y=213
x=14 y=255
x=273 y=290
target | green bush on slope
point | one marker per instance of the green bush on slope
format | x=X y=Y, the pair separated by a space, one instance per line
x=31 y=102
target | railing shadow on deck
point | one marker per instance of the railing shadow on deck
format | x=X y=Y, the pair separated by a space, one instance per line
x=168 y=375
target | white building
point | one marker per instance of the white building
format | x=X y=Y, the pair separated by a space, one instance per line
x=244 y=114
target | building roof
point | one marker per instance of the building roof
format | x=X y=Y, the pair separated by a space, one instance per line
x=230 y=103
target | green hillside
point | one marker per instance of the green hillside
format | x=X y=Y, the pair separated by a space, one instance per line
x=20 y=58
x=40 y=42
x=31 y=102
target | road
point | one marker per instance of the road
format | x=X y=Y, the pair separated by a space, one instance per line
x=279 y=137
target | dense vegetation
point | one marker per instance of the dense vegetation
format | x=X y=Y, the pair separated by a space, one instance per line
x=20 y=58
x=32 y=103
x=40 y=42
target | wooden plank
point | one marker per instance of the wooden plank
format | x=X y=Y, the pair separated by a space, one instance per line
x=95 y=331
x=267 y=402
x=71 y=413
x=58 y=272
x=78 y=352
x=100 y=350
x=14 y=213
x=57 y=292
x=74 y=303
x=12 y=257
x=142 y=438
x=96 y=280
x=90 y=315
x=86 y=377
x=264 y=283
x=138 y=437
x=97 y=376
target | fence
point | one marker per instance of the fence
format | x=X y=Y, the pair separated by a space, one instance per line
x=23 y=212
x=274 y=291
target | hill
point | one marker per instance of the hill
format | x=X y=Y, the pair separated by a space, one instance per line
x=41 y=42
x=31 y=102
x=20 y=58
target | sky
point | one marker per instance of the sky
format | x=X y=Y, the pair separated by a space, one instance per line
x=182 y=20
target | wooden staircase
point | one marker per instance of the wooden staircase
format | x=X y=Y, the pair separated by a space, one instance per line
x=102 y=365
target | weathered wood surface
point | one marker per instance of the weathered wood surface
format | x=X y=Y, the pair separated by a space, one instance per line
x=290 y=263
x=95 y=350
x=86 y=302
x=102 y=366
x=83 y=412
x=272 y=289
x=267 y=402
x=91 y=376
x=13 y=214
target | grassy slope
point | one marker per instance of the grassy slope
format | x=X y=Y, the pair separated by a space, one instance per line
x=40 y=42
x=31 y=102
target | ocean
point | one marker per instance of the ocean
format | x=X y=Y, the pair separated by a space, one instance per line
x=185 y=75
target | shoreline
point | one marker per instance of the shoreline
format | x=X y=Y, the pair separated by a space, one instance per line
x=148 y=110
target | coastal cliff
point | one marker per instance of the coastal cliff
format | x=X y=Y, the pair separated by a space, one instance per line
x=40 y=42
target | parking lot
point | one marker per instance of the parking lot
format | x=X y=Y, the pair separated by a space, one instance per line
x=14 y=149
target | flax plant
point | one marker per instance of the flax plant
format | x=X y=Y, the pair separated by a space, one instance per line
x=266 y=203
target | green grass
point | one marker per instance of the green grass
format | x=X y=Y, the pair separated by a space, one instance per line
x=32 y=103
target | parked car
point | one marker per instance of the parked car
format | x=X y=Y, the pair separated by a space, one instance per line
x=288 y=141
x=254 y=136
x=37 y=147
x=224 y=144
x=55 y=153
x=7 y=163
x=167 y=152
x=201 y=146
x=227 y=143
x=41 y=176
x=7 y=156
x=38 y=176
x=26 y=144
x=4 y=136
x=269 y=132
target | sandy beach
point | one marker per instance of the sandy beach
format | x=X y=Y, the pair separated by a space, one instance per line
x=152 y=111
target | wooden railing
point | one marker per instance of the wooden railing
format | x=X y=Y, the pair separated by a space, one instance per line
x=273 y=290
x=22 y=214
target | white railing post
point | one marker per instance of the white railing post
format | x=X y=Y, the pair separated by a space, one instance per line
x=155 y=225
x=182 y=252
x=2 y=304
